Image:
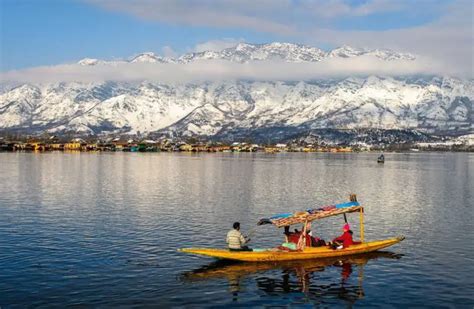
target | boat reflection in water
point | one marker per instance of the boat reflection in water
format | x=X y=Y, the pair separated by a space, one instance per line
x=303 y=276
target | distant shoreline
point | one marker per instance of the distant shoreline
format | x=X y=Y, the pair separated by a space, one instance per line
x=137 y=144
x=240 y=152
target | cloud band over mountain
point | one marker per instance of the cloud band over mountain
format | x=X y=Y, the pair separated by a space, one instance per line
x=214 y=70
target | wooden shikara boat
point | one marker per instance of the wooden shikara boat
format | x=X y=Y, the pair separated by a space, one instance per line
x=303 y=252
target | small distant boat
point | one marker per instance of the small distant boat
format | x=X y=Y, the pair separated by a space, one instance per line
x=303 y=252
x=381 y=159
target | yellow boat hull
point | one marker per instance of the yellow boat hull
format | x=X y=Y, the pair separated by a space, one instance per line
x=306 y=254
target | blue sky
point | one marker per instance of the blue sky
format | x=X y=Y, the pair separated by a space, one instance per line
x=48 y=32
x=54 y=31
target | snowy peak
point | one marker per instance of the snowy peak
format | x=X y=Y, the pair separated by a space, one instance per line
x=148 y=57
x=245 y=52
x=287 y=52
x=433 y=104
x=384 y=54
x=89 y=62
x=347 y=52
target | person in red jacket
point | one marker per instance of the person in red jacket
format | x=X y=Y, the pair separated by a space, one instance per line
x=345 y=240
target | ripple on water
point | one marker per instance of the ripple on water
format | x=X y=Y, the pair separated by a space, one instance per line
x=103 y=229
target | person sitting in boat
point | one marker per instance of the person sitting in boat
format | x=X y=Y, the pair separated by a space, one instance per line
x=316 y=241
x=343 y=241
x=297 y=237
x=236 y=240
x=289 y=244
x=291 y=236
x=291 y=240
x=311 y=239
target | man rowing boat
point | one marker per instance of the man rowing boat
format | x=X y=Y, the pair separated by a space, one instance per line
x=236 y=240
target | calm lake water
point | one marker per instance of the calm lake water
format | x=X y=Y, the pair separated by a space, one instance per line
x=104 y=229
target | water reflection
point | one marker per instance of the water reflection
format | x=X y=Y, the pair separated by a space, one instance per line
x=293 y=276
x=103 y=229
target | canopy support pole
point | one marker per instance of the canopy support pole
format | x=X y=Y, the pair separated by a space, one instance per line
x=302 y=240
x=361 y=224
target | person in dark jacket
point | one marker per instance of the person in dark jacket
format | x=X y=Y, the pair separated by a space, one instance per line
x=316 y=241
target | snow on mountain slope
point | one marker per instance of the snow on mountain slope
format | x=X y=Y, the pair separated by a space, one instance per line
x=245 y=52
x=150 y=57
x=208 y=108
x=17 y=106
x=89 y=61
x=434 y=104
x=384 y=54
x=142 y=109
x=351 y=103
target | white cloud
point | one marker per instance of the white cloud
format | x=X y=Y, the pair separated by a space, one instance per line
x=217 y=45
x=281 y=17
x=448 y=38
x=248 y=14
x=340 y=8
x=217 y=70
x=271 y=15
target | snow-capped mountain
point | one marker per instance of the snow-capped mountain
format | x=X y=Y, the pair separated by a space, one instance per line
x=384 y=54
x=441 y=105
x=436 y=105
x=90 y=61
x=384 y=103
x=150 y=57
x=244 y=52
x=147 y=57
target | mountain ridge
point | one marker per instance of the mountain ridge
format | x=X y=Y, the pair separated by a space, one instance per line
x=244 y=52
x=430 y=104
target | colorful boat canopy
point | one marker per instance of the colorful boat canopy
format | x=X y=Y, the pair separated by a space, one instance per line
x=311 y=214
